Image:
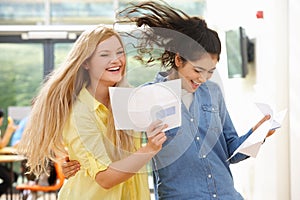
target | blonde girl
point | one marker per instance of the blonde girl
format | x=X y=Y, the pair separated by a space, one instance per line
x=72 y=111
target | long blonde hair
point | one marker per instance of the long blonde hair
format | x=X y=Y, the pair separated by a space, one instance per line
x=42 y=139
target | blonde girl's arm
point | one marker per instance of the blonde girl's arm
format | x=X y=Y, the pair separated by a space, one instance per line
x=121 y=170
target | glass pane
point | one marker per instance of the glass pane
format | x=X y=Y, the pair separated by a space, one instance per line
x=60 y=11
x=22 y=12
x=60 y=52
x=236 y=48
x=21 y=73
x=193 y=7
x=138 y=74
x=77 y=11
x=82 y=12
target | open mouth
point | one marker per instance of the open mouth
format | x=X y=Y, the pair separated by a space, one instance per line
x=113 y=69
x=195 y=83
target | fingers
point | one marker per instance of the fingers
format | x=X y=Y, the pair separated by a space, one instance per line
x=158 y=139
x=154 y=144
x=155 y=128
x=156 y=136
x=265 y=118
x=271 y=132
x=70 y=167
x=154 y=125
x=67 y=159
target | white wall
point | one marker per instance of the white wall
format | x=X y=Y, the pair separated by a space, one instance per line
x=272 y=174
x=294 y=106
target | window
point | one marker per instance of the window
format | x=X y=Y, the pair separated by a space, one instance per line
x=46 y=12
x=36 y=35
x=21 y=73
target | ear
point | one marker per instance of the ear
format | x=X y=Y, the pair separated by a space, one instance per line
x=85 y=65
x=178 y=61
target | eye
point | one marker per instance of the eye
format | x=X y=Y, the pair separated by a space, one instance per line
x=198 y=70
x=104 y=54
x=120 y=52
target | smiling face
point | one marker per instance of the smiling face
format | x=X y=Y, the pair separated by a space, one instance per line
x=106 y=66
x=193 y=73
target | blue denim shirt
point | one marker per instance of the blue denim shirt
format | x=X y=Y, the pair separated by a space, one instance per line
x=193 y=163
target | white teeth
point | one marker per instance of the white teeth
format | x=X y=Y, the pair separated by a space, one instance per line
x=113 y=68
x=196 y=82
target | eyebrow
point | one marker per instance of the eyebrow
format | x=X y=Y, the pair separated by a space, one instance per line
x=201 y=68
x=213 y=68
x=105 y=50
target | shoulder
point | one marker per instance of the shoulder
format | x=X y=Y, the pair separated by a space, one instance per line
x=210 y=91
x=210 y=86
x=85 y=103
x=161 y=77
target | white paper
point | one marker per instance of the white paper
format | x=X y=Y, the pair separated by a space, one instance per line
x=253 y=143
x=276 y=119
x=136 y=108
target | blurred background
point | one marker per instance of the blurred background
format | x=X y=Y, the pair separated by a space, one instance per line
x=259 y=63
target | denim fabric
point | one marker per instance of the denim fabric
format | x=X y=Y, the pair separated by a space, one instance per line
x=193 y=163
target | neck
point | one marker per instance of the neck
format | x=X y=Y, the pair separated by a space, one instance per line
x=100 y=93
x=173 y=74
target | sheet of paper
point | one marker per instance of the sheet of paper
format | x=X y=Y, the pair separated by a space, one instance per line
x=253 y=143
x=276 y=118
x=136 y=108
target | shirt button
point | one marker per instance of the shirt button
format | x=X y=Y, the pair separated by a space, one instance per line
x=192 y=119
x=209 y=175
x=214 y=195
x=197 y=138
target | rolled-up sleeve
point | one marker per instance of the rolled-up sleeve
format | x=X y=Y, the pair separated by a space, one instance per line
x=85 y=139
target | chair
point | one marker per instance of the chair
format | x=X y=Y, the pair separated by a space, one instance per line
x=44 y=189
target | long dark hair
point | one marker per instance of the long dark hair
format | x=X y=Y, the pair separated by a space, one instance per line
x=171 y=29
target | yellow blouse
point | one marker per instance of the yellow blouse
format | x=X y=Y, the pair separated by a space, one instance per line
x=84 y=136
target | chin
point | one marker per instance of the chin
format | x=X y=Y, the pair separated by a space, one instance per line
x=190 y=88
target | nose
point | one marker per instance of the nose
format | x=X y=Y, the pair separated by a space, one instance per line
x=203 y=77
x=115 y=58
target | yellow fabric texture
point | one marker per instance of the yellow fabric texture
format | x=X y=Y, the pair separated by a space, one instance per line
x=84 y=136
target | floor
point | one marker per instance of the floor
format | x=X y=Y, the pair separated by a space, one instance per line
x=52 y=196
x=16 y=197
